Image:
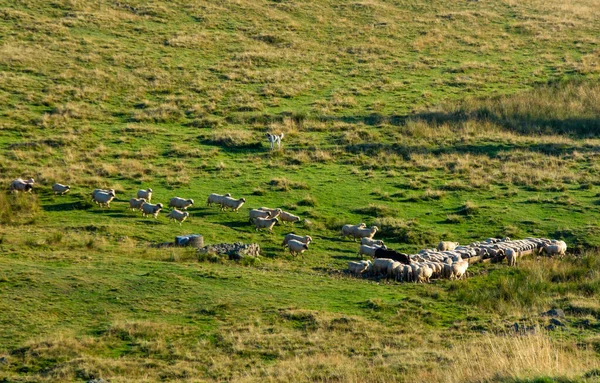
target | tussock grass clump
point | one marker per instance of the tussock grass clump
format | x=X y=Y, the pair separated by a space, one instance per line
x=233 y=138
x=17 y=207
x=308 y=200
x=283 y=184
x=468 y=209
x=405 y=231
x=377 y=210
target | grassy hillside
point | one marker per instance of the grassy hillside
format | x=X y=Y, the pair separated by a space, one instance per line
x=430 y=119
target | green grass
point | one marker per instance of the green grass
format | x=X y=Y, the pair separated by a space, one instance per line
x=432 y=120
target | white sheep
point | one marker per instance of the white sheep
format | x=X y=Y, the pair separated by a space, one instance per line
x=296 y=247
x=146 y=194
x=365 y=232
x=233 y=204
x=381 y=265
x=446 y=245
x=255 y=213
x=272 y=211
x=95 y=191
x=361 y=267
x=551 y=250
x=348 y=230
x=305 y=239
x=423 y=273
x=275 y=139
x=265 y=223
x=181 y=203
x=371 y=242
x=216 y=198
x=288 y=217
x=103 y=198
x=136 y=203
x=511 y=256
x=178 y=215
x=60 y=188
x=22 y=185
x=368 y=250
x=150 y=209
x=459 y=269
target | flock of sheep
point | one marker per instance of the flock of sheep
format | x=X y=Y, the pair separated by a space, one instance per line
x=449 y=260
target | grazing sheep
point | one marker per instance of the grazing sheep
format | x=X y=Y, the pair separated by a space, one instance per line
x=381 y=265
x=288 y=217
x=22 y=185
x=136 y=203
x=103 y=198
x=511 y=256
x=348 y=230
x=306 y=239
x=368 y=250
x=181 y=203
x=216 y=198
x=178 y=215
x=146 y=194
x=233 y=204
x=150 y=209
x=366 y=232
x=361 y=267
x=371 y=242
x=394 y=270
x=254 y=213
x=447 y=246
x=297 y=247
x=383 y=252
x=60 y=189
x=275 y=139
x=551 y=250
x=423 y=274
x=459 y=269
x=265 y=223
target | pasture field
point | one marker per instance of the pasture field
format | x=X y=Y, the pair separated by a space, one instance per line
x=454 y=120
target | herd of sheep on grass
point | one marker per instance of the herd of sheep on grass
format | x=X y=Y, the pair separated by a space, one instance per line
x=449 y=260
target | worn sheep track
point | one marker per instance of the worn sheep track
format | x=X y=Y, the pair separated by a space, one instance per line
x=234 y=251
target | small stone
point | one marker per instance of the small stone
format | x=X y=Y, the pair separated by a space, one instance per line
x=556 y=322
x=554 y=313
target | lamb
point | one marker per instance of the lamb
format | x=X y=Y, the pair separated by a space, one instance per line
x=348 y=230
x=511 y=256
x=371 y=242
x=288 y=217
x=254 y=213
x=136 y=203
x=366 y=232
x=60 y=188
x=358 y=268
x=22 y=185
x=216 y=198
x=265 y=223
x=146 y=194
x=367 y=250
x=446 y=246
x=150 y=209
x=181 y=203
x=233 y=204
x=306 y=239
x=392 y=254
x=275 y=139
x=103 y=198
x=296 y=247
x=459 y=269
x=178 y=215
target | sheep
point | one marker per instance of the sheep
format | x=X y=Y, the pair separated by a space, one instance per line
x=551 y=250
x=562 y=244
x=366 y=232
x=60 y=188
x=394 y=270
x=348 y=230
x=306 y=239
x=361 y=267
x=445 y=245
x=367 y=250
x=297 y=247
x=275 y=139
x=216 y=198
x=272 y=211
x=178 y=215
x=384 y=252
x=371 y=242
x=136 y=203
x=265 y=223
x=103 y=198
x=254 y=213
x=288 y=217
x=381 y=265
x=146 y=194
x=181 y=203
x=233 y=204
x=103 y=191
x=459 y=269
x=423 y=273
x=22 y=185
x=150 y=209
x=511 y=256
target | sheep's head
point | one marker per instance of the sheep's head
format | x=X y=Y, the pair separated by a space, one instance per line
x=308 y=239
x=159 y=205
x=186 y=214
x=68 y=187
x=111 y=193
x=191 y=201
x=243 y=199
x=227 y=195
